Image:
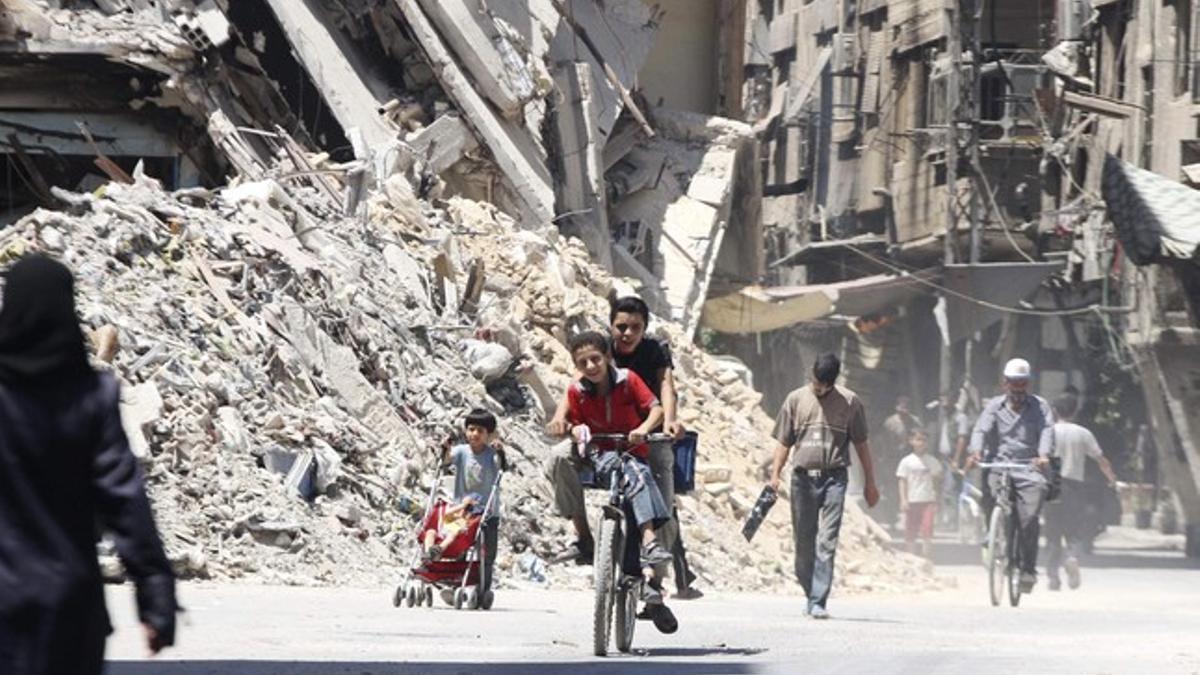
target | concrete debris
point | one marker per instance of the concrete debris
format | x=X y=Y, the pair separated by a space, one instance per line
x=296 y=345
x=488 y=361
x=140 y=406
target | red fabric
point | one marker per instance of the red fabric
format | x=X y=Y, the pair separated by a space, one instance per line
x=918 y=521
x=461 y=542
x=624 y=409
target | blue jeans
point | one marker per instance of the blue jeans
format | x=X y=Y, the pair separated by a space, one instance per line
x=817 y=503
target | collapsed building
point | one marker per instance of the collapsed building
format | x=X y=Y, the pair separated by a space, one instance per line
x=321 y=232
x=948 y=184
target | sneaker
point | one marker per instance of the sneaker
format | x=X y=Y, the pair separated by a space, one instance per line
x=653 y=554
x=1028 y=581
x=1072 y=567
x=689 y=593
x=663 y=618
x=818 y=612
x=582 y=552
x=1054 y=584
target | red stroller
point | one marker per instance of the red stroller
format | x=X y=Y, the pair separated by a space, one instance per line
x=460 y=563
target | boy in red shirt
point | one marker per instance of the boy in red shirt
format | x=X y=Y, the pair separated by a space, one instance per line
x=608 y=400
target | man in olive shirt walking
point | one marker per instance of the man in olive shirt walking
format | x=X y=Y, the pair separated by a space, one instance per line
x=821 y=420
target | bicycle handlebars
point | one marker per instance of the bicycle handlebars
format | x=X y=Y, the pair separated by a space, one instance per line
x=1007 y=465
x=650 y=438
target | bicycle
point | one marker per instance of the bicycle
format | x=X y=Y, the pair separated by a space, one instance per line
x=1002 y=557
x=613 y=589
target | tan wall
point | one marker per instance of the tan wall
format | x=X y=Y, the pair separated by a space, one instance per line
x=681 y=70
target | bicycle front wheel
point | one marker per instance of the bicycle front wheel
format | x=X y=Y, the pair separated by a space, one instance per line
x=996 y=556
x=1014 y=564
x=604 y=584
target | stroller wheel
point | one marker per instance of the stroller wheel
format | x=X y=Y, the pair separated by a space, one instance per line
x=486 y=600
x=411 y=598
x=398 y=596
x=473 y=598
x=460 y=596
x=429 y=596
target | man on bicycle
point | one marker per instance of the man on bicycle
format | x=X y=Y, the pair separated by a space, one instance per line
x=1018 y=427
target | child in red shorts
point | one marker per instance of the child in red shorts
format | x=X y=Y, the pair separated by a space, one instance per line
x=920 y=479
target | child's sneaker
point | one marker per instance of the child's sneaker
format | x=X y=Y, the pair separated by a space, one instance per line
x=653 y=554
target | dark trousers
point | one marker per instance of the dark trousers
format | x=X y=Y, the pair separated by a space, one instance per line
x=1028 y=495
x=65 y=639
x=491 y=541
x=817 y=503
x=1064 y=521
x=682 y=572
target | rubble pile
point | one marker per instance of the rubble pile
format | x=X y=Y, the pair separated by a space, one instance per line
x=288 y=374
x=296 y=346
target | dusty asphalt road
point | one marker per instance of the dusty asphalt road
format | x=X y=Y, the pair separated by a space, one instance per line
x=1137 y=612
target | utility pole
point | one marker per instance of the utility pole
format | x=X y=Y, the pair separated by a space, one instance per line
x=962 y=115
x=953 y=84
x=972 y=100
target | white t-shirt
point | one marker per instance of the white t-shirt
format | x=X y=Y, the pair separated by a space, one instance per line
x=1074 y=444
x=920 y=473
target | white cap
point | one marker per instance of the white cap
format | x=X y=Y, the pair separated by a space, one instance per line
x=1017 y=369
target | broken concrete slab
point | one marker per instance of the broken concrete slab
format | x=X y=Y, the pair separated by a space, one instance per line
x=443 y=143
x=346 y=85
x=617 y=37
x=141 y=405
x=514 y=150
x=486 y=54
x=231 y=431
x=408 y=271
x=582 y=202
x=340 y=367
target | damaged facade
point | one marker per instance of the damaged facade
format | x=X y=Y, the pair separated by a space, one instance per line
x=310 y=236
x=933 y=204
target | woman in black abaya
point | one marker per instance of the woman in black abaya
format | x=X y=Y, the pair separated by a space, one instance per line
x=65 y=465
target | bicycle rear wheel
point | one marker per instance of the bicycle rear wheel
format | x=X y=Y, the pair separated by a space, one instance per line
x=996 y=556
x=604 y=586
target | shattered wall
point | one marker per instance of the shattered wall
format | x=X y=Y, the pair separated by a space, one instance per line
x=297 y=337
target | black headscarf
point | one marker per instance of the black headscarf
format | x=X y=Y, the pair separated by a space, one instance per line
x=40 y=339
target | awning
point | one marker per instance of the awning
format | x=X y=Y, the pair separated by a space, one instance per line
x=755 y=309
x=820 y=250
x=997 y=284
x=1157 y=219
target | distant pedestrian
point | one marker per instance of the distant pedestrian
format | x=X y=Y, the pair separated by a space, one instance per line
x=65 y=467
x=1065 y=519
x=820 y=420
x=953 y=437
x=919 y=477
x=892 y=446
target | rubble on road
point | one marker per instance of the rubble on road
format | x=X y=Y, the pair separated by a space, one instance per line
x=285 y=391
x=296 y=345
